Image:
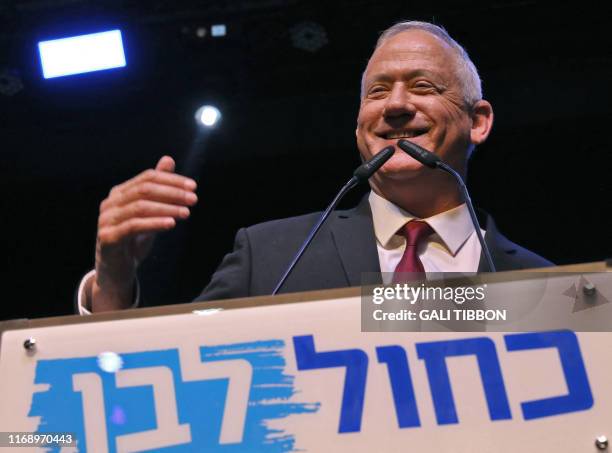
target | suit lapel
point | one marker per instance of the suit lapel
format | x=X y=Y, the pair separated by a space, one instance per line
x=353 y=236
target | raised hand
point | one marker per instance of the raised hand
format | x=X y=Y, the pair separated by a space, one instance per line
x=130 y=216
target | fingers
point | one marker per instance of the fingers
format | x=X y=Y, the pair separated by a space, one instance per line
x=166 y=163
x=115 y=215
x=157 y=177
x=151 y=191
x=116 y=233
x=152 y=201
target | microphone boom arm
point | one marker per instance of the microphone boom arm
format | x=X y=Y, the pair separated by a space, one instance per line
x=348 y=186
x=360 y=175
x=468 y=202
x=432 y=160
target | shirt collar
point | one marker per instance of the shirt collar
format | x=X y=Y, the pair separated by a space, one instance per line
x=452 y=227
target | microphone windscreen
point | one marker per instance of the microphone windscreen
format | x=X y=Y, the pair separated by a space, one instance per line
x=419 y=153
x=367 y=169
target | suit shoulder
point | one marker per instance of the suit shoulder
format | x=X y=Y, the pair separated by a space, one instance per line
x=533 y=260
x=525 y=257
x=510 y=256
x=301 y=222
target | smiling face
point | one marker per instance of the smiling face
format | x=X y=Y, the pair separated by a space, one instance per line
x=411 y=91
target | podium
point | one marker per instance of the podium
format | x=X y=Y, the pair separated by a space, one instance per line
x=297 y=373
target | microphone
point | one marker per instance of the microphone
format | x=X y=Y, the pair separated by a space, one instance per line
x=367 y=169
x=360 y=175
x=432 y=160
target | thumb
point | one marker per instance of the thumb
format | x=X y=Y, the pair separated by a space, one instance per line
x=166 y=163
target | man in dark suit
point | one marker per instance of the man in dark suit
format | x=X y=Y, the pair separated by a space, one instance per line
x=345 y=248
x=419 y=85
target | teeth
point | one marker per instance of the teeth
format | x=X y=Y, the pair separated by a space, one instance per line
x=402 y=134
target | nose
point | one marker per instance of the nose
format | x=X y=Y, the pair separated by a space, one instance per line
x=398 y=103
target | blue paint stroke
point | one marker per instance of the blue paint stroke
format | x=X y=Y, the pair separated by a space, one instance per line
x=270 y=390
x=199 y=403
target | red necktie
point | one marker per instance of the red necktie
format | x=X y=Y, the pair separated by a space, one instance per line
x=414 y=231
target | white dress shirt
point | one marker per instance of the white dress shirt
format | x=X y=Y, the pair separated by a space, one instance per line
x=453 y=247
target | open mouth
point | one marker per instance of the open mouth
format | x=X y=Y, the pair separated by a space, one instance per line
x=404 y=134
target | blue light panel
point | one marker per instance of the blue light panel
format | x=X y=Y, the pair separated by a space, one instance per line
x=81 y=54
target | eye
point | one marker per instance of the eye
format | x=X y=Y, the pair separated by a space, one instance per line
x=423 y=86
x=377 y=90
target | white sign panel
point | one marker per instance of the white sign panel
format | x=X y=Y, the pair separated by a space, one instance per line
x=303 y=377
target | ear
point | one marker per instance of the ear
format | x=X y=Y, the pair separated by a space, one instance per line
x=482 y=122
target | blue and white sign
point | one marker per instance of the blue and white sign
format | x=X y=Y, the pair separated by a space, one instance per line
x=303 y=377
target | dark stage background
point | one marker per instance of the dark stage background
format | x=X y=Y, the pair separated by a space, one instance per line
x=544 y=173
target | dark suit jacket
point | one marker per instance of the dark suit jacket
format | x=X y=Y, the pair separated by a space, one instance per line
x=344 y=248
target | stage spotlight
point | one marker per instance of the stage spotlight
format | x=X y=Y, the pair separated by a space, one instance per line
x=81 y=54
x=208 y=116
x=217 y=31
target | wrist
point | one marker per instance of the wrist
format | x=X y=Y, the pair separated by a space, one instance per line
x=108 y=295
